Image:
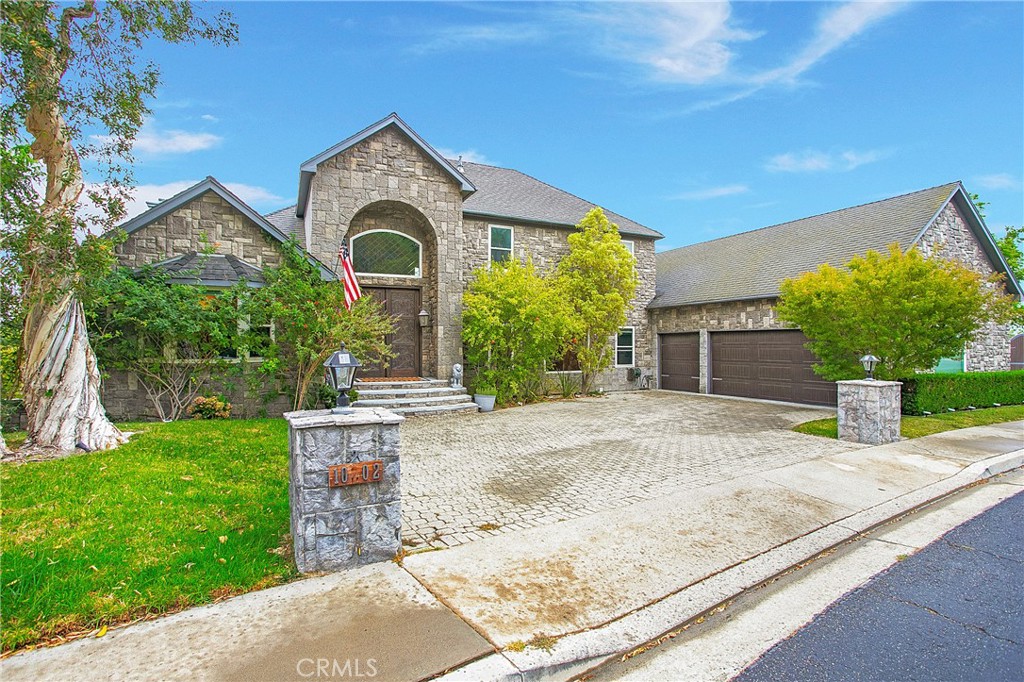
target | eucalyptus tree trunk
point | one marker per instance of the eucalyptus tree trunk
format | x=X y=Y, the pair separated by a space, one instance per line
x=60 y=378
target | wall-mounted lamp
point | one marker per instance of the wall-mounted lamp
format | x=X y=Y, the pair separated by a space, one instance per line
x=424 y=318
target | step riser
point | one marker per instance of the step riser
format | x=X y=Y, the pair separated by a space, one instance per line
x=390 y=385
x=467 y=408
x=412 y=393
x=411 y=402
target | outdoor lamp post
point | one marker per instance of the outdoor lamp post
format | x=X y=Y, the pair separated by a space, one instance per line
x=340 y=374
x=869 y=361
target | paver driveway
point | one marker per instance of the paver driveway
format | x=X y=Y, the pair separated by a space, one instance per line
x=467 y=477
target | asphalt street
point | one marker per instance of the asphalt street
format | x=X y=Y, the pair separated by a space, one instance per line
x=953 y=611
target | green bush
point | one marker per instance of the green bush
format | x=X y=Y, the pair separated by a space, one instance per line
x=940 y=392
x=210 y=407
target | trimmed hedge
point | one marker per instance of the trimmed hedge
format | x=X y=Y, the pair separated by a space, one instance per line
x=939 y=392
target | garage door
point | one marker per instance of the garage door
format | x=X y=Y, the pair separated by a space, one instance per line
x=680 y=362
x=773 y=365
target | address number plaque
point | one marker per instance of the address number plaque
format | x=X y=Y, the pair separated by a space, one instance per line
x=339 y=475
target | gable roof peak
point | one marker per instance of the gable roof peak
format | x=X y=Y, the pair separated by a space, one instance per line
x=308 y=168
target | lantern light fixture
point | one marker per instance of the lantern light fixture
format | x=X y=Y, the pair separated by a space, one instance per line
x=340 y=374
x=869 y=362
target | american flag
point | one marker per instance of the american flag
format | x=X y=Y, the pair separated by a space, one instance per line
x=348 y=277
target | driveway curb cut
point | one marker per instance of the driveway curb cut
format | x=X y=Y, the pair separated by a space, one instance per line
x=578 y=652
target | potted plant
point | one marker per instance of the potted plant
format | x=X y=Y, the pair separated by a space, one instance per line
x=484 y=394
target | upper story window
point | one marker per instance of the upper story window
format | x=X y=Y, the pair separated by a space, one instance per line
x=628 y=243
x=384 y=252
x=500 y=243
x=624 y=347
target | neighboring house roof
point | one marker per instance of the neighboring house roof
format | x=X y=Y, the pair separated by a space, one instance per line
x=308 y=169
x=212 y=270
x=288 y=223
x=210 y=184
x=509 y=194
x=752 y=265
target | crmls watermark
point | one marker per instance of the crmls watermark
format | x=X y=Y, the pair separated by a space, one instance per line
x=333 y=668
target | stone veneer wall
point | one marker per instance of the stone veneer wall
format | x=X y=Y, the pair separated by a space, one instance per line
x=950 y=237
x=402 y=218
x=389 y=167
x=713 y=317
x=546 y=245
x=207 y=216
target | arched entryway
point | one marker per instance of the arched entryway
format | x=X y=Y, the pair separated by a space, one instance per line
x=394 y=251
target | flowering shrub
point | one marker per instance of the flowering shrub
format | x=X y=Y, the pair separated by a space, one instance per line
x=209 y=407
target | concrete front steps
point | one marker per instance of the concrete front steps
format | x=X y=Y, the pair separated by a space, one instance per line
x=415 y=398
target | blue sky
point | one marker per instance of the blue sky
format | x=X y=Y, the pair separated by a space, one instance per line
x=696 y=119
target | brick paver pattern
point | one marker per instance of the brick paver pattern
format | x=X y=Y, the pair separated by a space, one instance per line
x=467 y=477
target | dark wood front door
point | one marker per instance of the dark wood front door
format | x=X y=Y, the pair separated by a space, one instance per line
x=680 y=362
x=773 y=365
x=404 y=306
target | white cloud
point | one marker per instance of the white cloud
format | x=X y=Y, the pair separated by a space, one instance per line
x=210 y=117
x=478 y=36
x=687 y=42
x=813 y=161
x=255 y=196
x=153 y=141
x=835 y=28
x=996 y=181
x=713 y=192
x=470 y=155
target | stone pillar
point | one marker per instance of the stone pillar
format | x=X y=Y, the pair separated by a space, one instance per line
x=344 y=488
x=869 y=411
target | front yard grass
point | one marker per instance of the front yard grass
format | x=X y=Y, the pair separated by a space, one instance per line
x=915 y=427
x=186 y=513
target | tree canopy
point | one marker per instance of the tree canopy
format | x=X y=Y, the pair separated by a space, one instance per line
x=73 y=90
x=906 y=309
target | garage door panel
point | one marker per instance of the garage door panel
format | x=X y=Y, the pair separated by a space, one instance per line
x=771 y=365
x=680 y=362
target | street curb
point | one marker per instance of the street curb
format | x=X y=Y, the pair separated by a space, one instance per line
x=576 y=653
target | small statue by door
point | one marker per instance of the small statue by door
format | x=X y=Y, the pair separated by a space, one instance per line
x=456 y=376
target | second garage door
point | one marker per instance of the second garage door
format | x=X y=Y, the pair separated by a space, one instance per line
x=680 y=362
x=772 y=365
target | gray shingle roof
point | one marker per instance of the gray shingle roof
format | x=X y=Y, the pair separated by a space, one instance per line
x=288 y=223
x=209 y=270
x=753 y=264
x=507 y=193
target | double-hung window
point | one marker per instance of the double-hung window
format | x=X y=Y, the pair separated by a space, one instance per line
x=625 y=347
x=500 y=243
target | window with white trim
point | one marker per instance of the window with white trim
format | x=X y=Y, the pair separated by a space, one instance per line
x=628 y=243
x=500 y=243
x=625 y=347
x=386 y=252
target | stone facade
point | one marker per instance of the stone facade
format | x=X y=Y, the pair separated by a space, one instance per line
x=949 y=237
x=869 y=411
x=205 y=222
x=713 y=317
x=379 y=177
x=546 y=245
x=340 y=527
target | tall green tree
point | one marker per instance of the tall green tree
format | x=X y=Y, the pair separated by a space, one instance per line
x=1011 y=245
x=598 y=279
x=906 y=309
x=73 y=88
x=513 y=322
x=310 y=321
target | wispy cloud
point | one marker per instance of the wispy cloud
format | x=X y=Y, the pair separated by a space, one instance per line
x=814 y=161
x=152 y=141
x=712 y=192
x=470 y=155
x=209 y=117
x=142 y=195
x=687 y=42
x=478 y=36
x=996 y=181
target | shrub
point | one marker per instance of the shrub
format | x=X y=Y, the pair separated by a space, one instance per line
x=209 y=407
x=940 y=392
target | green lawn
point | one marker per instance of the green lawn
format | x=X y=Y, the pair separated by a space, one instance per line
x=915 y=427
x=184 y=514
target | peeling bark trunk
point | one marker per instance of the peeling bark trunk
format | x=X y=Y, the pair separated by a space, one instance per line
x=60 y=379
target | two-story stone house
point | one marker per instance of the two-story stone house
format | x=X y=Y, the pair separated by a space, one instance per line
x=418 y=224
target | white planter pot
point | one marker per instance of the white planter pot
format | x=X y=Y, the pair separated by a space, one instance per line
x=486 y=402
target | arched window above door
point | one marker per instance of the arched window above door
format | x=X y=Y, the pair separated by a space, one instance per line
x=385 y=252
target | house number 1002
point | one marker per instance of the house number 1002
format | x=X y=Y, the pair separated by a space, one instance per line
x=339 y=475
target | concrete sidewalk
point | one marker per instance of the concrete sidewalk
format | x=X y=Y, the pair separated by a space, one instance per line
x=574 y=593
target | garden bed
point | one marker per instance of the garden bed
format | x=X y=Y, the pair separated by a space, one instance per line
x=915 y=427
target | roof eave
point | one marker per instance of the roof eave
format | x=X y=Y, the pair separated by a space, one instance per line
x=654 y=302
x=501 y=216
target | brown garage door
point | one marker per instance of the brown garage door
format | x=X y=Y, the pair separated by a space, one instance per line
x=680 y=362
x=773 y=365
